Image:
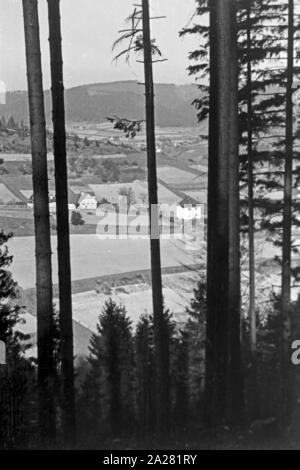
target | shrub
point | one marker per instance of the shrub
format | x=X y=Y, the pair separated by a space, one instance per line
x=76 y=218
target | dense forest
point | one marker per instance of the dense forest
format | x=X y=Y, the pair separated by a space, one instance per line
x=228 y=377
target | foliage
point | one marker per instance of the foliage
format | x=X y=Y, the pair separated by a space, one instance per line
x=130 y=128
x=134 y=37
x=128 y=193
x=107 y=170
x=109 y=384
x=17 y=377
x=76 y=218
x=268 y=26
x=144 y=352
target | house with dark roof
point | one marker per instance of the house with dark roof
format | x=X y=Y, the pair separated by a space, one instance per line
x=87 y=201
x=190 y=209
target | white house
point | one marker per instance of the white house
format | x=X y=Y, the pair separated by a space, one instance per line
x=87 y=201
x=189 y=209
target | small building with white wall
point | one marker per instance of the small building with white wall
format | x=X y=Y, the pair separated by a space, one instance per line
x=189 y=209
x=87 y=201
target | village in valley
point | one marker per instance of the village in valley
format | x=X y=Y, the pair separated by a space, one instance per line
x=109 y=220
x=106 y=170
x=150 y=227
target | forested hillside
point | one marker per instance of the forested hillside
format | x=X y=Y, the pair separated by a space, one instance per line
x=93 y=103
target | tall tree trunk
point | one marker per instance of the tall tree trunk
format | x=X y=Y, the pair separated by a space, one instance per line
x=252 y=309
x=223 y=358
x=287 y=222
x=42 y=224
x=235 y=375
x=160 y=333
x=251 y=223
x=63 y=231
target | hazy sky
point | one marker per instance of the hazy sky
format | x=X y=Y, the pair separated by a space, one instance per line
x=89 y=29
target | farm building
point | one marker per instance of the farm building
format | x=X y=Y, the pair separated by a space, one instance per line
x=87 y=201
x=72 y=199
x=189 y=209
x=111 y=192
x=79 y=189
x=105 y=208
x=199 y=196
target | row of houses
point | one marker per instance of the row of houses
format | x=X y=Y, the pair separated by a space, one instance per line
x=88 y=197
x=82 y=201
x=17 y=191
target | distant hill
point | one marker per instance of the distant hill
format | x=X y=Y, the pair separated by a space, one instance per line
x=93 y=103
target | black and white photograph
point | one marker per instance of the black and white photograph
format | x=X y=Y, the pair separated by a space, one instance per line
x=149 y=229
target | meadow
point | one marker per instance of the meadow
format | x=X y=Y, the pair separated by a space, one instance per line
x=92 y=257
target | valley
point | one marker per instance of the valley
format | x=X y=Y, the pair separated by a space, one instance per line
x=102 y=164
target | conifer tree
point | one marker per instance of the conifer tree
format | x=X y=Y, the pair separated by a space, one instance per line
x=144 y=354
x=181 y=382
x=262 y=164
x=145 y=370
x=111 y=363
x=17 y=376
x=194 y=332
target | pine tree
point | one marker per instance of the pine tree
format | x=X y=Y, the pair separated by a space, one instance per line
x=181 y=382
x=195 y=330
x=268 y=29
x=251 y=222
x=11 y=124
x=144 y=359
x=111 y=363
x=16 y=378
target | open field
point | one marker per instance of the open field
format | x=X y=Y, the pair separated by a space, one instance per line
x=201 y=168
x=93 y=257
x=24 y=226
x=6 y=196
x=21 y=157
x=175 y=176
x=20 y=227
x=16 y=212
x=137 y=298
x=130 y=289
x=106 y=130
